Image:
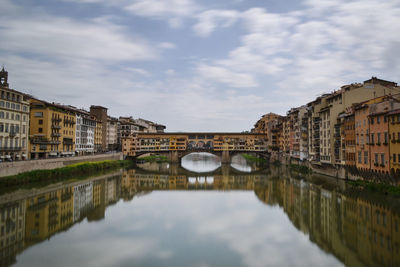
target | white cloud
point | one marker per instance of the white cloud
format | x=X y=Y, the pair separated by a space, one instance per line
x=139 y=71
x=162 y=8
x=210 y=19
x=66 y=38
x=226 y=76
x=167 y=45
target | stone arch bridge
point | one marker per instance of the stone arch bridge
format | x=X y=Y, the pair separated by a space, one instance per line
x=178 y=145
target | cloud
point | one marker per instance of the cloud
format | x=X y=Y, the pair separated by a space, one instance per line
x=162 y=8
x=167 y=45
x=63 y=38
x=226 y=76
x=209 y=20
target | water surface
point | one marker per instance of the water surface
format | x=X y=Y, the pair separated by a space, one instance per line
x=168 y=215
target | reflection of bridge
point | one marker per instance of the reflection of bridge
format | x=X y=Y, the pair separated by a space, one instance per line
x=177 y=145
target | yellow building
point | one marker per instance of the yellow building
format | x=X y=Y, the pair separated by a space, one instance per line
x=98 y=136
x=52 y=130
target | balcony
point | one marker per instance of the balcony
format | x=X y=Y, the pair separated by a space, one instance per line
x=12 y=134
x=55 y=134
x=55 y=126
x=56 y=119
x=44 y=141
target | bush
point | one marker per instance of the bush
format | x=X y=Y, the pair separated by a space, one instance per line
x=253 y=158
x=300 y=169
x=78 y=169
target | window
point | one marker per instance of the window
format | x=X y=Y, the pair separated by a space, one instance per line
x=383 y=159
x=1 y=115
x=23 y=129
x=378 y=141
x=385 y=119
x=394 y=157
x=372 y=138
x=40 y=122
x=39 y=114
x=376 y=158
x=1 y=127
x=40 y=130
x=1 y=103
x=378 y=119
x=365 y=157
x=17 y=117
x=359 y=157
x=386 y=137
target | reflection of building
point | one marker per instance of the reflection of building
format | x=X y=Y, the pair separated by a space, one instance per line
x=83 y=199
x=12 y=231
x=358 y=231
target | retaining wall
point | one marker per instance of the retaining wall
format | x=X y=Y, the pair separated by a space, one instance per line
x=13 y=168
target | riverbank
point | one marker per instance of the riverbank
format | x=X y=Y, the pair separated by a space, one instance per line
x=14 y=168
x=153 y=158
x=74 y=170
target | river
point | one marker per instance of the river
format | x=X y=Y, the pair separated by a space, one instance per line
x=199 y=214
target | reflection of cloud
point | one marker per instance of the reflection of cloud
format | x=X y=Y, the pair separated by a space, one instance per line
x=234 y=226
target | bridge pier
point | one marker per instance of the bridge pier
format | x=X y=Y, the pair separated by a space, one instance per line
x=226 y=157
x=173 y=157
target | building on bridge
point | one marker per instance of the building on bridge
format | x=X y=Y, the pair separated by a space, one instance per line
x=181 y=144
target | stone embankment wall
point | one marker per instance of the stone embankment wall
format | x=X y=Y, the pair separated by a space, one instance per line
x=13 y=168
x=333 y=171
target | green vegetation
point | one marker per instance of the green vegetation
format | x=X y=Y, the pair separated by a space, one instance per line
x=253 y=158
x=300 y=169
x=377 y=187
x=154 y=158
x=70 y=171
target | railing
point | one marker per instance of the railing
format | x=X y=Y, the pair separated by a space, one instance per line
x=56 y=126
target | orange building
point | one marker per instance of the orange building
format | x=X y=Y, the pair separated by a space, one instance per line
x=361 y=133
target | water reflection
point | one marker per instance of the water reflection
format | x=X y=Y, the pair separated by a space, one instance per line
x=175 y=226
x=201 y=162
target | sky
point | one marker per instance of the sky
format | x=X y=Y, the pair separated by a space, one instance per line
x=196 y=65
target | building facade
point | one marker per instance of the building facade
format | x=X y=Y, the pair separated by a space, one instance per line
x=14 y=121
x=52 y=130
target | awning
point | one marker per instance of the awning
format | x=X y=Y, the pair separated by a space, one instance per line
x=7 y=156
x=18 y=156
x=53 y=154
x=24 y=155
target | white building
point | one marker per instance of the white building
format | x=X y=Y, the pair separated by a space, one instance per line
x=85 y=131
x=14 y=121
